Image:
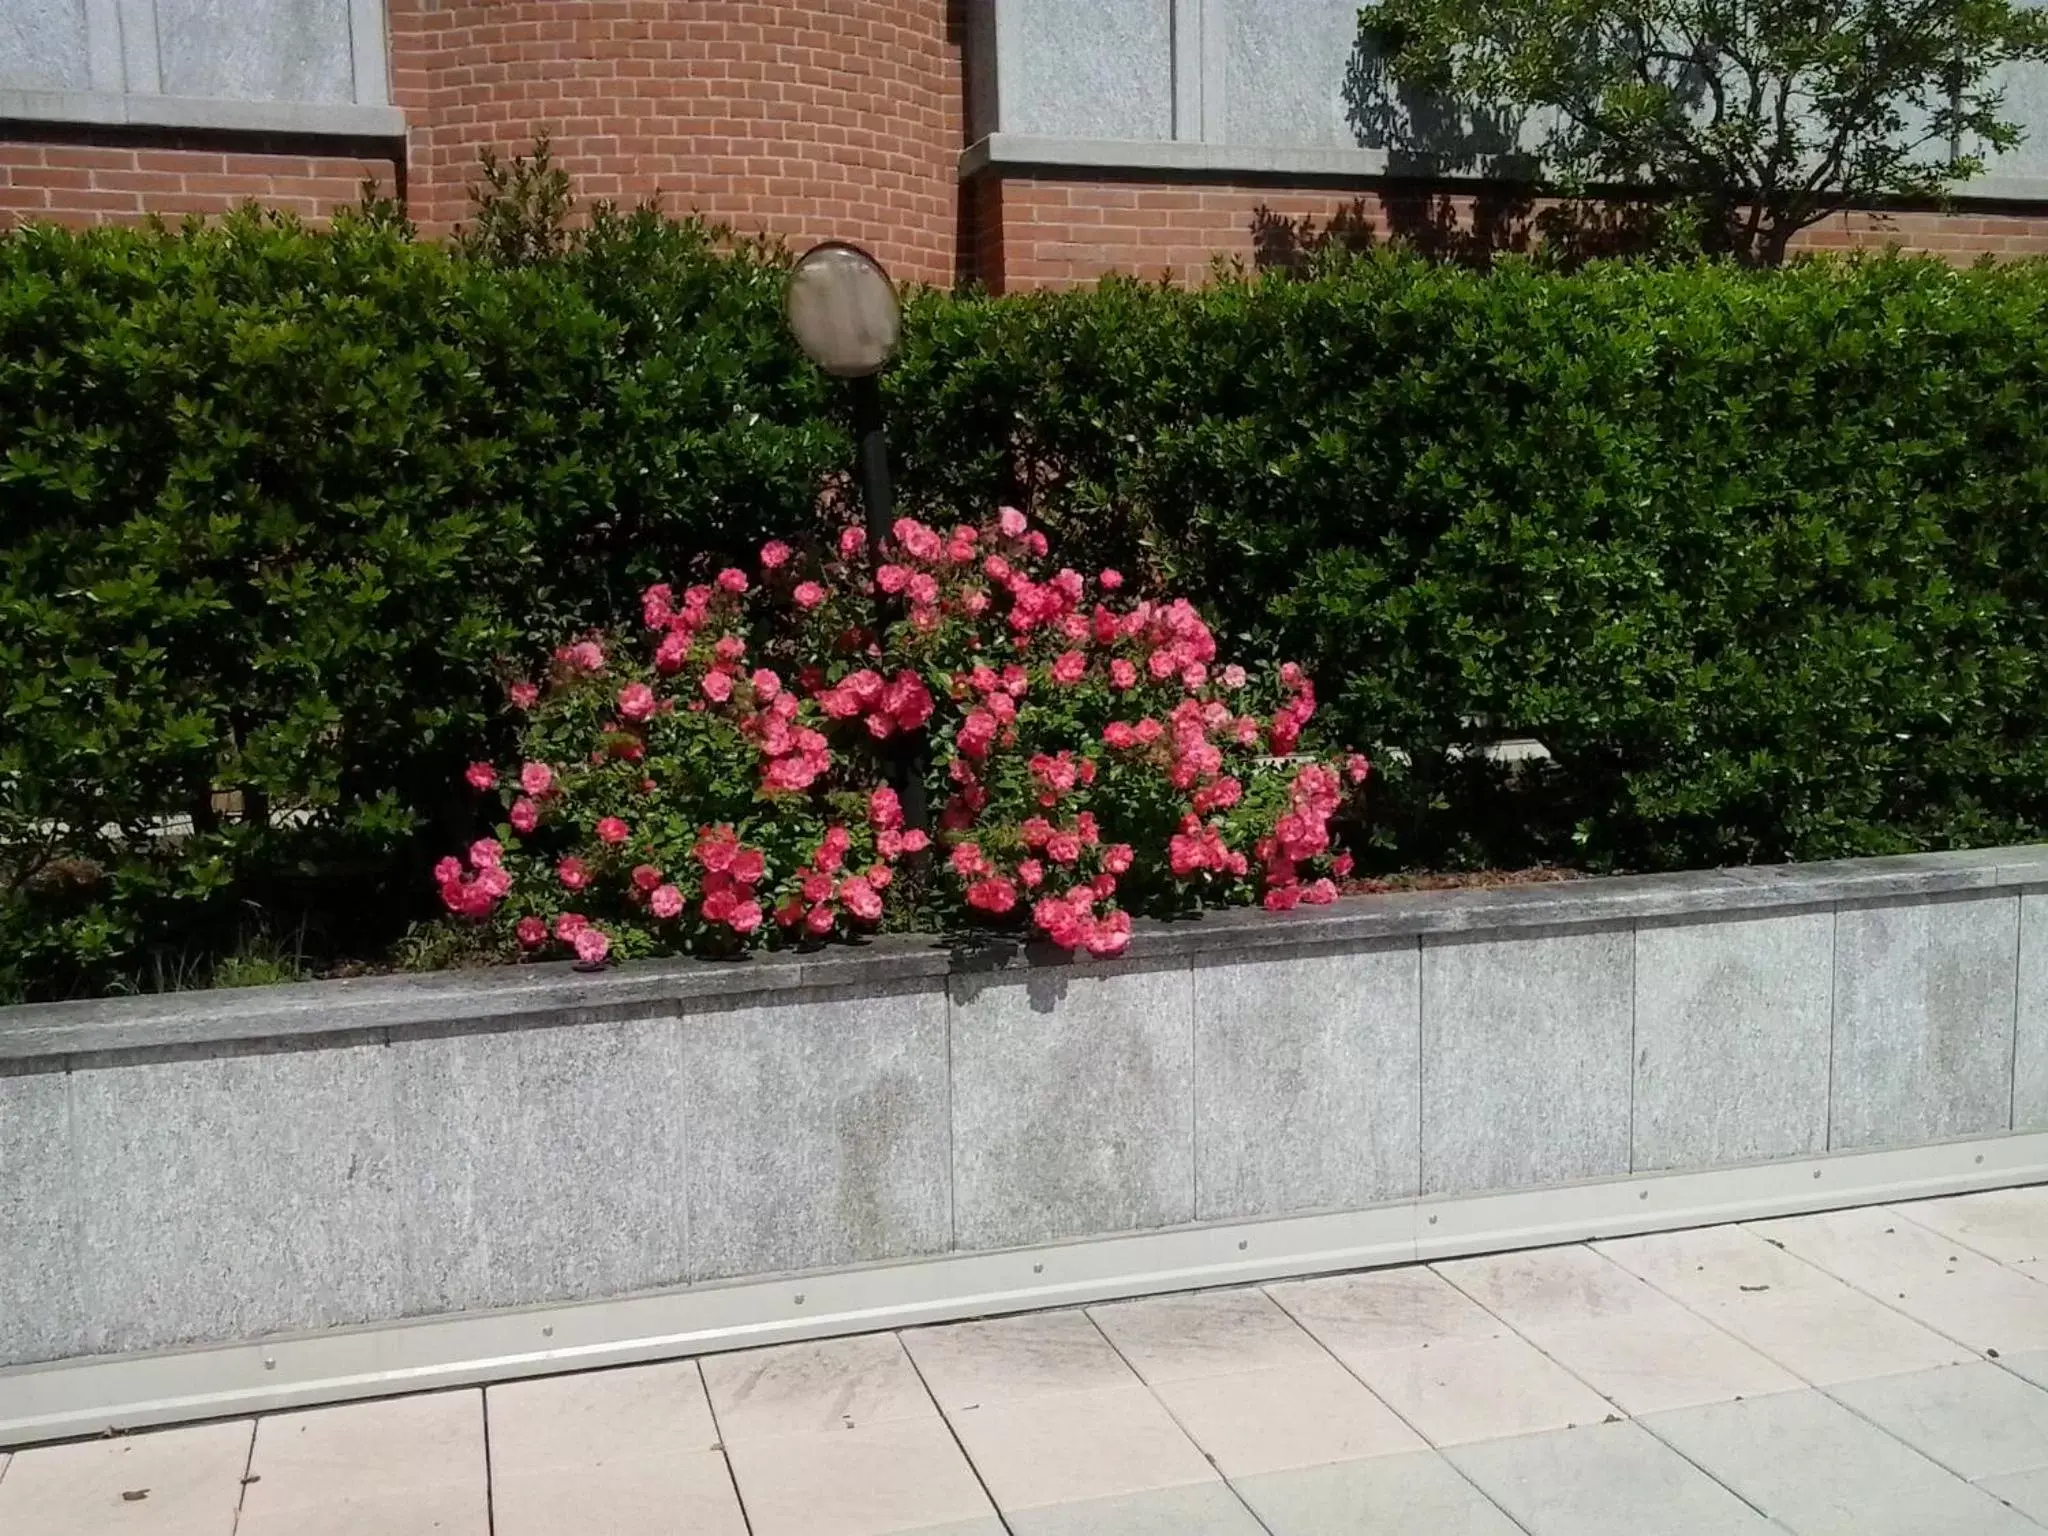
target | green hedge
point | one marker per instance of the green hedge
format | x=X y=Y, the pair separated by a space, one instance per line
x=272 y=506
x=1755 y=555
x=1758 y=556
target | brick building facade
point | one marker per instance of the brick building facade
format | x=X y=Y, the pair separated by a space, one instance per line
x=1017 y=144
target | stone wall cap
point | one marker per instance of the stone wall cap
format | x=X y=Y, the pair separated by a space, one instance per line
x=556 y=993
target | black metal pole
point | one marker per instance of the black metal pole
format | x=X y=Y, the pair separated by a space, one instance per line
x=906 y=763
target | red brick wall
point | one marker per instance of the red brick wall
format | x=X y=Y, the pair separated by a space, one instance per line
x=831 y=117
x=87 y=184
x=1042 y=233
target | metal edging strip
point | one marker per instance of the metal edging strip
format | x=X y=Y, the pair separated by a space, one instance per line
x=90 y=1396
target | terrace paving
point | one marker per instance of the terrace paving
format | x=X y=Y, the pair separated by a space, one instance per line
x=1881 y=1372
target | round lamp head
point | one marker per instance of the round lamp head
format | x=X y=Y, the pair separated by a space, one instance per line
x=843 y=310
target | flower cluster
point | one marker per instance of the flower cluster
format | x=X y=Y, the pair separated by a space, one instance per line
x=1085 y=757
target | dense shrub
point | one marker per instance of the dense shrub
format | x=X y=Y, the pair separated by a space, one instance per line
x=277 y=501
x=1757 y=557
x=1093 y=756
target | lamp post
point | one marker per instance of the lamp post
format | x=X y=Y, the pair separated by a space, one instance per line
x=844 y=314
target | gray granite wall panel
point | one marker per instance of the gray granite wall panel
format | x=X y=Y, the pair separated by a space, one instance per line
x=1307 y=1075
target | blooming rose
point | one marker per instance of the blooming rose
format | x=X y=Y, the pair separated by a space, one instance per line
x=636 y=701
x=774 y=554
x=665 y=901
x=524 y=816
x=573 y=873
x=612 y=831
x=536 y=778
x=523 y=695
x=531 y=932
x=481 y=776
x=592 y=946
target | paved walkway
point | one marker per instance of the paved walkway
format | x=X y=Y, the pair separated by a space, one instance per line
x=1877 y=1372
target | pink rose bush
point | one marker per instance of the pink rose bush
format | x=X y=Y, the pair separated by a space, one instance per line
x=1083 y=755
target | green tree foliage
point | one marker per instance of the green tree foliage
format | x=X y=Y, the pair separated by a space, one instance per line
x=1759 y=116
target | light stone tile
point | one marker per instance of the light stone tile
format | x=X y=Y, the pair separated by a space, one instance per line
x=2026 y=1492
x=1384 y=1309
x=427 y=1454
x=1976 y=1420
x=1623 y=1337
x=2030 y=1048
x=1461 y=1390
x=1817 y=1469
x=1525 y=1059
x=1731 y=1039
x=1013 y=1359
x=872 y=1480
x=1306 y=1079
x=1285 y=72
x=43 y=46
x=817 y=1133
x=1281 y=1417
x=813 y=1388
x=226 y=1192
x=1201 y=1509
x=40 y=1313
x=1206 y=1333
x=2009 y=1225
x=190 y=1481
x=1971 y=1299
x=300 y=52
x=1604 y=1480
x=1072 y=1104
x=1924 y=1020
x=1080 y=69
x=625 y=1451
x=1417 y=1493
x=1061 y=1448
x=2032 y=1365
x=540 y=1165
x=1804 y=1319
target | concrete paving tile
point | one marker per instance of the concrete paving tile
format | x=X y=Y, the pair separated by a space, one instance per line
x=872 y=1480
x=191 y=1478
x=1014 y=1358
x=2026 y=1492
x=1975 y=1301
x=627 y=1452
x=2032 y=1364
x=424 y=1456
x=1064 y=1447
x=796 y=1389
x=1385 y=1309
x=1462 y=1390
x=1976 y=1420
x=2009 y=1225
x=1804 y=1319
x=1627 y=1339
x=1207 y=1333
x=1817 y=1469
x=1201 y=1509
x=1603 y=1480
x=1285 y=1416
x=1387 y=1496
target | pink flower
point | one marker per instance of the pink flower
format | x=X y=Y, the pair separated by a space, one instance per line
x=892 y=579
x=665 y=902
x=646 y=877
x=748 y=866
x=922 y=589
x=636 y=701
x=861 y=899
x=523 y=695
x=1031 y=872
x=481 y=776
x=767 y=686
x=657 y=605
x=670 y=655
x=531 y=932
x=1320 y=894
x=819 y=920
x=1063 y=848
x=1116 y=858
x=852 y=541
x=1233 y=676
x=774 y=555
x=524 y=816
x=1111 y=936
x=808 y=595
x=612 y=831
x=994 y=895
x=1119 y=734
x=716 y=848
x=1071 y=667
x=592 y=946
x=885 y=809
x=732 y=579
x=745 y=918
x=1123 y=674
x=573 y=872
x=448 y=871
x=1110 y=580
x=1356 y=768
x=536 y=778
x=484 y=853
x=906 y=700
x=584 y=656
x=569 y=924
x=717 y=686
x=1011 y=522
